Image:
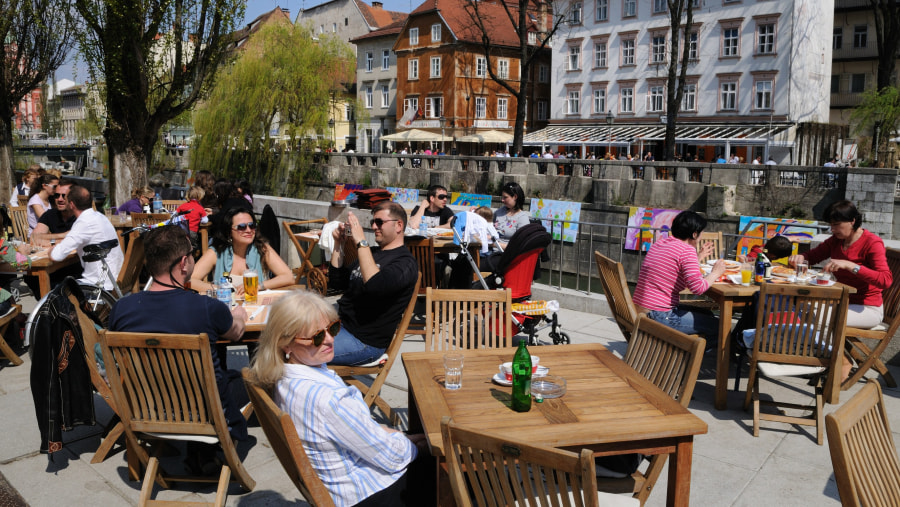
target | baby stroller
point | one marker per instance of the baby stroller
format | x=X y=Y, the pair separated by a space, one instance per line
x=515 y=270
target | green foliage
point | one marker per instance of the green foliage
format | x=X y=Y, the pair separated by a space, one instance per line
x=283 y=82
x=878 y=107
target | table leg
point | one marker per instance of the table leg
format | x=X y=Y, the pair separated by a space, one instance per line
x=43 y=282
x=679 y=487
x=204 y=239
x=723 y=360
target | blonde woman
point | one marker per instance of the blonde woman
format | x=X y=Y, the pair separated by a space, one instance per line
x=141 y=196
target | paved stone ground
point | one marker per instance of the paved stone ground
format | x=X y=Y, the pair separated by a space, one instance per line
x=730 y=467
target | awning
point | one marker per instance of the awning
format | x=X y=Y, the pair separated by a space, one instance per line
x=624 y=135
x=415 y=135
x=490 y=136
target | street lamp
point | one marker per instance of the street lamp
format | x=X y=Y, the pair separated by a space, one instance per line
x=333 y=140
x=609 y=122
x=443 y=122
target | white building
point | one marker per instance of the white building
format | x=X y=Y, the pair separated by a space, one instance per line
x=757 y=69
x=376 y=81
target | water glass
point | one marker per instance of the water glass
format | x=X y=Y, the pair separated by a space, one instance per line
x=453 y=366
x=802 y=270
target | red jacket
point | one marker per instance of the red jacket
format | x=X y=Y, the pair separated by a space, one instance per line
x=195 y=214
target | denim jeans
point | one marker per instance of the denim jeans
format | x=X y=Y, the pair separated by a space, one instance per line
x=348 y=350
x=690 y=322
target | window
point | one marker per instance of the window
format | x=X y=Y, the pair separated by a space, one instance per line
x=693 y=52
x=628 y=52
x=658 y=49
x=502 y=107
x=600 y=54
x=413 y=36
x=434 y=107
x=413 y=68
x=728 y=95
x=689 y=98
x=369 y=97
x=543 y=74
x=532 y=37
x=837 y=38
x=730 y=42
x=627 y=95
x=436 y=32
x=629 y=8
x=860 y=36
x=480 y=107
x=542 y=110
x=480 y=66
x=602 y=11
x=763 y=95
x=857 y=83
x=599 y=100
x=574 y=60
x=575 y=15
x=334 y=28
x=660 y=6
x=348 y=112
x=321 y=28
x=573 y=101
x=655 y=99
x=503 y=68
x=411 y=103
x=370 y=61
x=435 y=66
x=385 y=59
x=765 y=39
x=385 y=96
x=835 y=84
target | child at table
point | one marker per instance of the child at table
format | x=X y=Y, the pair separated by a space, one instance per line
x=779 y=248
x=195 y=213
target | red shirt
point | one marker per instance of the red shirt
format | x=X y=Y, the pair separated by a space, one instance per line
x=868 y=252
x=194 y=215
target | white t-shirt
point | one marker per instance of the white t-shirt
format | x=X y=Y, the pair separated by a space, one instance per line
x=91 y=228
x=32 y=216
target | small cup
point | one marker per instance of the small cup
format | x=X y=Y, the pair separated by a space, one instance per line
x=506 y=368
x=824 y=278
x=453 y=367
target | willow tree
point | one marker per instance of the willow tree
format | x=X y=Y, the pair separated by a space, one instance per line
x=278 y=91
x=157 y=59
x=36 y=38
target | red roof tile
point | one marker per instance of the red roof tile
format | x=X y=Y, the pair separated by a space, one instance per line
x=377 y=16
x=392 y=29
x=460 y=23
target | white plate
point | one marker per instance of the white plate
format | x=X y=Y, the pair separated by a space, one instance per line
x=501 y=379
x=814 y=282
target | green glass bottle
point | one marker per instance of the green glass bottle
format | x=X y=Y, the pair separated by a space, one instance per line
x=521 y=388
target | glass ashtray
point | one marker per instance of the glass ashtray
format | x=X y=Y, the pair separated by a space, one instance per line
x=547 y=386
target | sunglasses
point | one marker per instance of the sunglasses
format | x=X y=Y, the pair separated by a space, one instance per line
x=442 y=197
x=60 y=196
x=377 y=222
x=318 y=338
x=245 y=226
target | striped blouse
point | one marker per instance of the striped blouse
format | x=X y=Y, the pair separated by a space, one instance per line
x=671 y=266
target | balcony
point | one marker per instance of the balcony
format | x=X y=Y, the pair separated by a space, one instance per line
x=845 y=99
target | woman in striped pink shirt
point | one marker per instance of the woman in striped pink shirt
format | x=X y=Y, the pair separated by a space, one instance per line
x=672 y=265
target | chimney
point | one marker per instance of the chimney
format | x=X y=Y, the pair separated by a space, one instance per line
x=287 y=12
x=377 y=5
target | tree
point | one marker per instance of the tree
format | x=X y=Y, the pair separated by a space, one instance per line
x=282 y=81
x=37 y=38
x=887 y=33
x=157 y=58
x=879 y=110
x=524 y=16
x=675 y=79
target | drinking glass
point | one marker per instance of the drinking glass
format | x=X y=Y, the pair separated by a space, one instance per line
x=453 y=366
x=746 y=273
x=802 y=270
x=251 y=285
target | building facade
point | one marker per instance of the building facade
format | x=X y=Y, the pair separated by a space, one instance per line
x=376 y=84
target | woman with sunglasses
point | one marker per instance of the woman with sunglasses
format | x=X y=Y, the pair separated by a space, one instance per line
x=39 y=199
x=140 y=197
x=509 y=217
x=237 y=247
x=360 y=462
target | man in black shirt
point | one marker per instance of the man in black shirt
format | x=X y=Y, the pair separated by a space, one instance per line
x=381 y=282
x=433 y=210
x=53 y=225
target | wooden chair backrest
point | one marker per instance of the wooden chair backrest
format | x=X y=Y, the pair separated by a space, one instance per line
x=718 y=242
x=148 y=218
x=423 y=251
x=863 y=452
x=282 y=435
x=492 y=470
x=19 y=217
x=172 y=205
x=807 y=328
x=91 y=338
x=668 y=358
x=129 y=275
x=22 y=200
x=5 y=350
x=612 y=277
x=467 y=319
x=891 y=296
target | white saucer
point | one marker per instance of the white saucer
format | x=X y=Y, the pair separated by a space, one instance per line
x=814 y=282
x=501 y=379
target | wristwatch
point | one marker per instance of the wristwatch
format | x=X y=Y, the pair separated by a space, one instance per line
x=855 y=270
x=362 y=244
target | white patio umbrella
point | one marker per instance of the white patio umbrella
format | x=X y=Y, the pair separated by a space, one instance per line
x=489 y=136
x=415 y=135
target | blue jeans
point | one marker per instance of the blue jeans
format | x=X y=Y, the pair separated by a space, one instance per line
x=348 y=350
x=690 y=322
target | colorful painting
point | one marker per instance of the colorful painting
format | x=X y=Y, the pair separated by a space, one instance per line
x=469 y=200
x=642 y=221
x=407 y=197
x=344 y=191
x=758 y=233
x=555 y=214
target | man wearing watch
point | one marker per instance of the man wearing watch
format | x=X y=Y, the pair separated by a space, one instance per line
x=378 y=285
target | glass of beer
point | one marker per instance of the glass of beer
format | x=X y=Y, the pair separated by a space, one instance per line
x=251 y=286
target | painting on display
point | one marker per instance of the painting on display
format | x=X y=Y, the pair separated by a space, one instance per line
x=406 y=197
x=642 y=221
x=788 y=227
x=555 y=214
x=345 y=191
x=469 y=200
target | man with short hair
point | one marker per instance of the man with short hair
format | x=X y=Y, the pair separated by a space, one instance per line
x=433 y=210
x=379 y=285
x=89 y=228
x=57 y=222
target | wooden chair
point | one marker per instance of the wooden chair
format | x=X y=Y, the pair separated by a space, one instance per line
x=283 y=438
x=382 y=367
x=423 y=251
x=863 y=453
x=486 y=469
x=467 y=319
x=148 y=218
x=671 y=360
x=172 y=205
x=799 y=331
x=615 y=286
x=5 y=350
x=718 y=242
x=129 y=275
x=19 y=217
x=883 y=333
x=316 y=280
x=164 y=387
x=22 y=200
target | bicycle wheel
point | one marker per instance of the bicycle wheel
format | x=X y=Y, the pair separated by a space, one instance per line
x=98 y=302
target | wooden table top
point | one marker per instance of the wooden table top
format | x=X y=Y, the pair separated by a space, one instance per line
x=607 y=402
x=743 y=291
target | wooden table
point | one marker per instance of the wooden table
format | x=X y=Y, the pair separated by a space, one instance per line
x=41 y=267
x=608 y=408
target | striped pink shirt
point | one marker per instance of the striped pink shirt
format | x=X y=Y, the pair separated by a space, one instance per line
x=671 y=266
